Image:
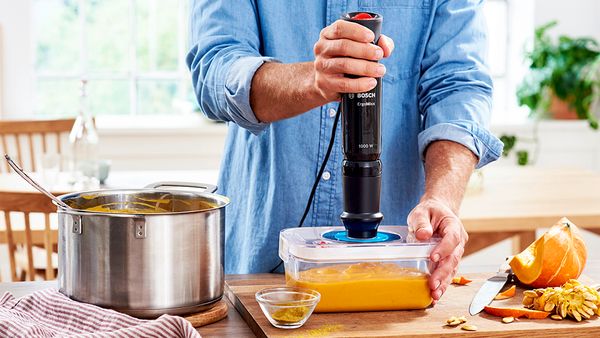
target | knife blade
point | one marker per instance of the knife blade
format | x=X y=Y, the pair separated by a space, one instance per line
x=490 y=289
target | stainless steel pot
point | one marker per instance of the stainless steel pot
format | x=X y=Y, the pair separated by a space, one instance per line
x=144 y=264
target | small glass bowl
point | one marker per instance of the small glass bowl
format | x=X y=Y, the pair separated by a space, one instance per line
x=287 y=307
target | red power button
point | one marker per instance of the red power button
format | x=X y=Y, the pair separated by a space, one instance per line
x=362 y=16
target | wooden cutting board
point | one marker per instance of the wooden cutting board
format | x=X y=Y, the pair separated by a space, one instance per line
x=417 y=323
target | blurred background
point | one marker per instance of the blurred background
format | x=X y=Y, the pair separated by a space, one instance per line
x=132 y=54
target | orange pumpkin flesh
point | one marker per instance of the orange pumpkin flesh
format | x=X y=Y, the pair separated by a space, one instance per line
x=509 y=293
x=515 y=312
x=461 y=280
x=552 y=259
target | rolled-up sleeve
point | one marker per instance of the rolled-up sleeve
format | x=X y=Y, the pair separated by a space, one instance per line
x=223 y=59
x=455 y=88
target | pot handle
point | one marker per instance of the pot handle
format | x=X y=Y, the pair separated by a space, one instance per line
x=204 y=186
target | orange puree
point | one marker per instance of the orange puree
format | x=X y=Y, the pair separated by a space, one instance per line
x=366 y=287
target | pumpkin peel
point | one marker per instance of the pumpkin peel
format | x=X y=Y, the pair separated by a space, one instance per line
x=461 y=280
x=515 y=312
x=508 y=293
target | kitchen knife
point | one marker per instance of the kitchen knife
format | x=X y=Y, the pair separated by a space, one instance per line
x=490 y=289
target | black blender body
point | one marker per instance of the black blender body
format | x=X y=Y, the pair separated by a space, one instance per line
x=361 y=170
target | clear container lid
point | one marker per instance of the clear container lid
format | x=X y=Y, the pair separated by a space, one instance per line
x=311 y=244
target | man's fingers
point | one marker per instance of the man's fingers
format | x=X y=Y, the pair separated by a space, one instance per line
x=452 y=238
x=443 y=272
x=387 y=44
x=440 y=278
x=350 y=48
x=350 y=66
x=420 y=224
x=342 y=29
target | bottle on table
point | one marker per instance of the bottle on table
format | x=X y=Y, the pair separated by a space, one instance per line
x=83 y=141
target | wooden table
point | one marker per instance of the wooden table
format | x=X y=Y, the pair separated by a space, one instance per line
x=514 y=202
x=234 y=325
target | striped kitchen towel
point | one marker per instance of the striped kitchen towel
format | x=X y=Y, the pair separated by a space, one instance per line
x=49 y=313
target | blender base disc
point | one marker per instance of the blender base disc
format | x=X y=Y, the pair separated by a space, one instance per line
x=342 y=236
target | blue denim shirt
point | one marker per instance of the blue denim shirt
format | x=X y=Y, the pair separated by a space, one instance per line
x=437 y=87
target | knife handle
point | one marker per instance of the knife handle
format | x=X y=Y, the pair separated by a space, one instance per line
x=505 y=268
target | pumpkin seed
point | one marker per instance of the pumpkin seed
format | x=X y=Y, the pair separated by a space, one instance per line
x=583 y=312
x=453 y=321
x=556 y=317
x=563 y=310
x=469 y=327
x=587 y=310
x=507 y=320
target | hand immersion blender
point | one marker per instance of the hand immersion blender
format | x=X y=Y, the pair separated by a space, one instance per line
x=361 y=120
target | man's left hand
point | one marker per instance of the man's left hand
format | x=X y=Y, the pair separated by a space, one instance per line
x=432 y=216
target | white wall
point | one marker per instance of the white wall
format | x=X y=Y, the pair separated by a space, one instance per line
x=186 y=143
x=17 y=61
x=575 y=17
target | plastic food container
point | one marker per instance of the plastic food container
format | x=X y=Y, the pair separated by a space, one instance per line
x=358 y=275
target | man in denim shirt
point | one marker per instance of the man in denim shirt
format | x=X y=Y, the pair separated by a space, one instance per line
x=274 y=70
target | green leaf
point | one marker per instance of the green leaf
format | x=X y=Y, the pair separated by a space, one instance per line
x=509 y=143
x=522 y=157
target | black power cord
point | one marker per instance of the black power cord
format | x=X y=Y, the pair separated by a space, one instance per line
x=318 y=178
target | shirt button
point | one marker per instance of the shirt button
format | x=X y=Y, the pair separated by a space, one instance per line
x=326 y=175
x=332 y=112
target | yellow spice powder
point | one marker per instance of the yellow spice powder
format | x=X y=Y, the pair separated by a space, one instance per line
x=291 y=314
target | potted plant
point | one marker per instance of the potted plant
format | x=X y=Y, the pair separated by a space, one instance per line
x=563 y=77
x=563 y=83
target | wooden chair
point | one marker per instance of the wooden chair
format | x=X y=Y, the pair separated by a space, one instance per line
x=28 y=203
x=31 y=139
x=27 y=141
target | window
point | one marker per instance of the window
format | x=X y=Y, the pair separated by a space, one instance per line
x=510 y=29
x=132 y=52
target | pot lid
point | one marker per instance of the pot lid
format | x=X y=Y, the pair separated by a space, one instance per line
x=329 y=244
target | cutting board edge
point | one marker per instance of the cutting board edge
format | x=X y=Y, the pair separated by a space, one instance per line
x=244 y=313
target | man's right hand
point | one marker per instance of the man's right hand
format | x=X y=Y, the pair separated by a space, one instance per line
x=345 y=48
x=280 y=91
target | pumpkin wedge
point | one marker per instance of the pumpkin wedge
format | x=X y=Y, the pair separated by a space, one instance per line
x=515 y=312
x=559 y=255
